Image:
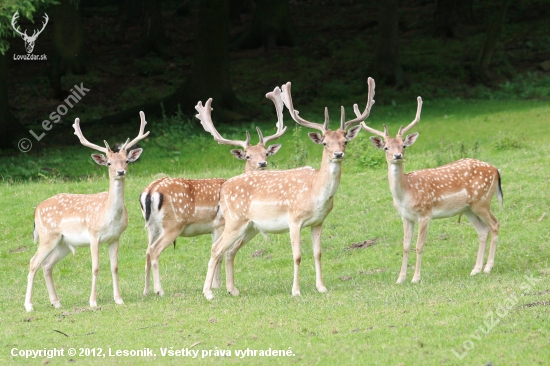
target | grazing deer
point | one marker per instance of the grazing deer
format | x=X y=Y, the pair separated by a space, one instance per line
x=175 y=207
x=66 y=221
x=29 y=40
x=463 y=187
x=284 y=200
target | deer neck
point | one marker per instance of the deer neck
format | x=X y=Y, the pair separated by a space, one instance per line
x=115 y=200
x=398 y=181
x=328 y=179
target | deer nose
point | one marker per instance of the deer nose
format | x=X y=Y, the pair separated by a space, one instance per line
x=262 y=164
x=398 y=156
x=338 y=155
x=120 y=173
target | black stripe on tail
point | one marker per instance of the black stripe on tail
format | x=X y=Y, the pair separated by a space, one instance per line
x=500 y=186
x=147 y=206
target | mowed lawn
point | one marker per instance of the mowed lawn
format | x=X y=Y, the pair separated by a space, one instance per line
x=449 y=318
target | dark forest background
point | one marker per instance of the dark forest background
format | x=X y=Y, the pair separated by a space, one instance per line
x=163 y=56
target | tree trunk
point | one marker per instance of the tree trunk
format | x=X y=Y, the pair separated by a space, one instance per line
x=68 y=45
x=11 y=131
x=271 y=26
x=131 y=13
x=387 y=68
x=451 y=15
x=481 y=68
x=209 y=76
x=154 y=38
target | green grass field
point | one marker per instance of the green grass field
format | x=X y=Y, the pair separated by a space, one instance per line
x=448 y=318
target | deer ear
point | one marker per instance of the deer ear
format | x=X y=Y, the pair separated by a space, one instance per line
x=99 y=159
x=316 y=137
x=352 y=132
x=239 y=154
x=377 y=141
x=272 y=149
x=133 y=155
x=410 y=139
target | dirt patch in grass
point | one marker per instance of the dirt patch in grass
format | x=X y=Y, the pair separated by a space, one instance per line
x=364 y=244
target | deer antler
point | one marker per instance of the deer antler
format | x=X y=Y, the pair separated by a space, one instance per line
x=205 y=117
x=415 y=121
x=16 y=27
x=360 y=117
x=140 y=136
x=85 y=142
x=275 y=97
x=287 y=100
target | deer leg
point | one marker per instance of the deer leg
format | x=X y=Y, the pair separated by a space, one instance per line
x=152 y=259
x=423 y=225
x=152 y=234
x=316 y=239
x=494 y=225
x=217 y=282
x=60 y=252
x=113 y=257
x=230 y=260
x=225 y=241
x=482 y=233
x=296 y=255
x=408 y=228
x=45 y=247
x=94 y=250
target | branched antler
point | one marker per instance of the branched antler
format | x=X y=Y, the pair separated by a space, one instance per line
x=415 y=121
x=275 y=97
x=205 y=117
x=85 y=142
x=140 y=136
x=360 y=116
x=287 y=99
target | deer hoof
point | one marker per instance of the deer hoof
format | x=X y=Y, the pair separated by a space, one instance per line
x=159 y=292
x=93 y=304
x=415 y=280
x=56 y=304
x=209 y=295
x=296 y=293
x=234 y=292
x=400 y=280
x=322 y=288
x=475 y=271
x=29 y=308
x=488 y=269
x=119 y=302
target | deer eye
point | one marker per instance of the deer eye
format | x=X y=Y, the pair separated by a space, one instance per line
x=404 y=147
x=247 y=157
x=108 y=163
x=324 y=144
x=385 y=148
x=127 y=161
x=345 y=143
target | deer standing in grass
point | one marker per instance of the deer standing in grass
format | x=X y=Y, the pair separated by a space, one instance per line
x=175 y=207
x=66 y=221
x=284 y=200
x=463 y=187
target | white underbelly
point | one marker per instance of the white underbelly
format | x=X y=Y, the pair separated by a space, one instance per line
x=80 y=239
x=274 y=225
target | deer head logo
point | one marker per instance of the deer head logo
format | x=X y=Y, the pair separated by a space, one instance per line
x=29 y=40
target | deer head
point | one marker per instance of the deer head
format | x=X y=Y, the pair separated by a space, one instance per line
x=29 y=40
x=117 y=162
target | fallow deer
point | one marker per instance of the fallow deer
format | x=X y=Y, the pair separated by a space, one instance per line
x=463 y=187
x=284 y=200
x=175 y=207
x=66 y=221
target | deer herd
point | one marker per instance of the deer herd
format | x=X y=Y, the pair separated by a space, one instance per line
x=262 y=201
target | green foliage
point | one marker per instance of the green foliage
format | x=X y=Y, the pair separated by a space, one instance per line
x=300 y=155
x=449 y=152
x=365 y=154
x=150 y=66
x=507 y=142
x=526 y=86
